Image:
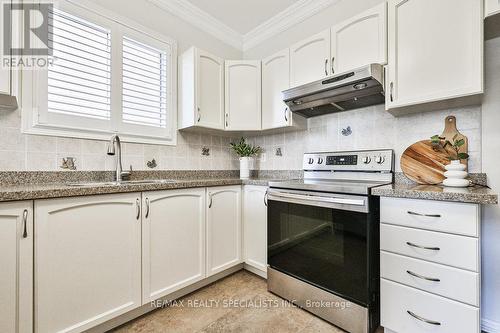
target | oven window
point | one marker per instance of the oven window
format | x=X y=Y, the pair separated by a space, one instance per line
x=323 y=246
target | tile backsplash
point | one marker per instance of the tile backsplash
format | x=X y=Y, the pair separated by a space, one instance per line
x=21 y=152
x=370 y=128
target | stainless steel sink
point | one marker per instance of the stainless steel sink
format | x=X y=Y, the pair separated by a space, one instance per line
x=125 y=182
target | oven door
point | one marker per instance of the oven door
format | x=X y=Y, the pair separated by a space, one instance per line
x=322 y=239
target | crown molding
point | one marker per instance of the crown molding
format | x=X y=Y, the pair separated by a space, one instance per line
x=296 y=13
x=202 y=20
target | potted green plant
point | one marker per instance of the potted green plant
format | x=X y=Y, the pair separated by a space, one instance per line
x=245 y=152
x=455 y=171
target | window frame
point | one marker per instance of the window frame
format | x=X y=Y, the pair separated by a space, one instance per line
x=35 y=86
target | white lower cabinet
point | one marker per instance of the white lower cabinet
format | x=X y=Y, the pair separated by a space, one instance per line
x=255 y=227
x=16 y=262
x=429 y=266
x=87 y=260
x=223 y=228
x=408 y=310
x=173 y=241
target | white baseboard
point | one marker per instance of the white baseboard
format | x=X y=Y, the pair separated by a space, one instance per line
x=490 y=326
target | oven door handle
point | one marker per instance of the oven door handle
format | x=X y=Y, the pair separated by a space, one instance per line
x=309 y=198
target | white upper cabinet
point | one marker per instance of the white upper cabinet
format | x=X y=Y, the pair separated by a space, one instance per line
x=360 y=40
x=223 y=228
x=173 y=241
x=16 y=261
x=201 y=90
x=275 y=79
x=492 y=7
x=87 y=260
x=243 y=95
x=310 y=59
x=435 y=53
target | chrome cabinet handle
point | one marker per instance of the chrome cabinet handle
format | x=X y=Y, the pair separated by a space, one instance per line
x=427 y=321
x=227 y=123
x=326 y=67
x=423 y=215
x=138 y=208
x=423 y=247
x=392 y=89
x=147 y=207
x=199 y=114
x=423 y=277
x=210 y=198
x=265 y=197
x=333 y=69
x=286 y=118
x=25 y=223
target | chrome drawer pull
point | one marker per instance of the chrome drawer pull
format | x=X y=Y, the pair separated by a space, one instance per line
x=265 y=197
x=25 y=223
x=427 y=321
x=423 y=247
x=423 y=277
x=424 y=215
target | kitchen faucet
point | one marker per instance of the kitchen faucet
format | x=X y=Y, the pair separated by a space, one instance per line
x=112 y=150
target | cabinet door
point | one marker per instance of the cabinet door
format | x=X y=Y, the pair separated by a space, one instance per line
x=223 y=228
x=275 y=79
x=243 y=95
x=87 y=260
x=16 y=258
x=173 y=246
x=210 y=90
x=360 y=40
x=492 y=7
x=435 y=51
x=255 y=226
x=310 y=59
x=5 y=73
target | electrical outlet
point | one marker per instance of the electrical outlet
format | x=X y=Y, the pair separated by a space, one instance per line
x=262 y=157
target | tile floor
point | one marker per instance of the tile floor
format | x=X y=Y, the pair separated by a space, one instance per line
x=254 y=309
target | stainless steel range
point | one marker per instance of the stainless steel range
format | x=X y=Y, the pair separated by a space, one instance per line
x=323 y=237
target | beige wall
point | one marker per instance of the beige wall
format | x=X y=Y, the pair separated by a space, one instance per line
x=491 y=166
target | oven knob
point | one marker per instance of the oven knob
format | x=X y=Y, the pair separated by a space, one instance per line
x=311 y=161
x=367 y=160
x=320 y=160
x=380 y=159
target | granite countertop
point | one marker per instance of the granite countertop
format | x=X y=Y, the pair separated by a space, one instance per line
x=474 y=194
x=32 y=191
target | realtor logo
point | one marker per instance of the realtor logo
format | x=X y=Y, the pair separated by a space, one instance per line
x=26 y=45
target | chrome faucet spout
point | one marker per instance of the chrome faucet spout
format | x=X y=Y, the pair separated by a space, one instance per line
x=115 y=148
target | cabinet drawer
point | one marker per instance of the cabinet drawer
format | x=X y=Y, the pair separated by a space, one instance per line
x=455 y=218
x=396 y=301
x=457 y=284
x=457 y=251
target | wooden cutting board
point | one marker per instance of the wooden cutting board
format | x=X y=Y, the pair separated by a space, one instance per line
x=424 y=165
x=450 y=131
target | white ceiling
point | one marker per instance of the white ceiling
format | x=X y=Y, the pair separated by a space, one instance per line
x=242 y=15
x=243 y=23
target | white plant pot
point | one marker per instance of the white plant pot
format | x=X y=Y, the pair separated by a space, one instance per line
x=245 y=167
x=455 y=175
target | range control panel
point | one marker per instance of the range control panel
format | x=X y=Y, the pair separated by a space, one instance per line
x=366 y=160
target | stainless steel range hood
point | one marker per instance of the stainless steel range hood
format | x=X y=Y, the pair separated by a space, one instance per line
x=350 y=90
